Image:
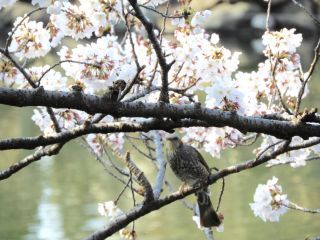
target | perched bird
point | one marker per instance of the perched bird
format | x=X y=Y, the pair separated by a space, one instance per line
x=112 y=93
x=190 y=167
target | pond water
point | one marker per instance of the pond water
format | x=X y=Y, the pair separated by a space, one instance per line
x=56 y=198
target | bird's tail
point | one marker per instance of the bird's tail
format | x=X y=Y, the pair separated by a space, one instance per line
x=208 y=216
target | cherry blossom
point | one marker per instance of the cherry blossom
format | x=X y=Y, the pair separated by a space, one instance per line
x=99 y=64
x=296 y=158
x=269 y=201
x=9 y=74
x=73 y=21
x=109 y=209
x=281 y=43
x=125 y=233
x=30 y=40
x=212 y=140
x=52 y=80
x=56 y=34
x=67 y=119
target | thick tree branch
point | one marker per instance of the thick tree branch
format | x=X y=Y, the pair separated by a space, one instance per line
x=144 y=126
x=214 y=118
x=141 y=178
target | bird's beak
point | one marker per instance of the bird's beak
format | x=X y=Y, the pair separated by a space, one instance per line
x=172 y=136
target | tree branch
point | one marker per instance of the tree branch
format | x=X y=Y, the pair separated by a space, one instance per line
x=161 y=165
x=144 y=126
x=295 y=206
x=213 y=118
x=48 y=151
x=141 y=178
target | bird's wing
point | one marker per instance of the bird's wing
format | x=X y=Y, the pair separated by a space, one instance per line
x=196 y=154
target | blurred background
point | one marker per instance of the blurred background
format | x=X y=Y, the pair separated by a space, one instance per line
x=57 y=197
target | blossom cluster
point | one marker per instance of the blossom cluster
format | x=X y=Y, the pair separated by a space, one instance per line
x=97 y=64
x=112 y=211
x=9 y=74
x=109 y=209
x=296 y=158
x=269 y=202
x=66 y=118
x=30 y=39
x=201 y=64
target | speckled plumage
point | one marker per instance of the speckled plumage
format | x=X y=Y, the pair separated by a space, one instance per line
x=185 y=163
x=190 y=167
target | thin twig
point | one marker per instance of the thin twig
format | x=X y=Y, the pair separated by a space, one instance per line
x=295 y=206
x=54 y=120
x=22 y=70
x=310 y=72
x=290 y=161
x=245 y=141
x=139 y=150
x=316 y=21
x=164 y=23
x=273 y=77
x=104 y=164
x=130 y=85
x=267 y=148
x=36 y=156
x=133 y=199
x=164 y=15
x=118 y=169
x=221 y=192
x=268 y=15
x=122 y=191
x=59 y=63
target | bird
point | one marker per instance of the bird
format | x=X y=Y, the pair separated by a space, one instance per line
x=190 y=167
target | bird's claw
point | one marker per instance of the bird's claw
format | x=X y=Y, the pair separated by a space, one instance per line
x=182 y=188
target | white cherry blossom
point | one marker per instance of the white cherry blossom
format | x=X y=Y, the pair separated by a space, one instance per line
x=30 y=40
x=52 y=80
x=73 y=21
x=109 y=209
x=269 y=201
x=281 y=43
x=9 y=74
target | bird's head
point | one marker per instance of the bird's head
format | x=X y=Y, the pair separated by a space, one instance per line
x=173 y=141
